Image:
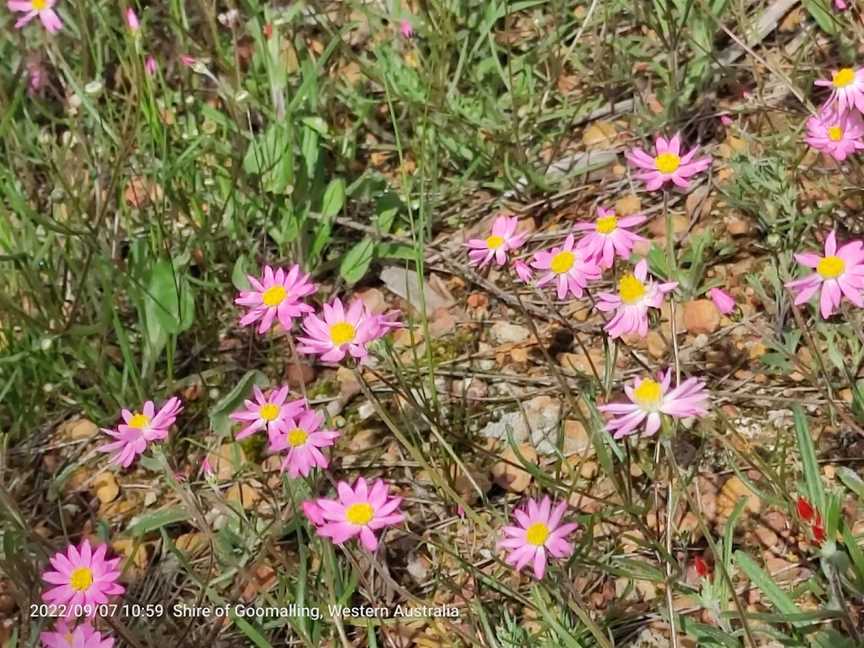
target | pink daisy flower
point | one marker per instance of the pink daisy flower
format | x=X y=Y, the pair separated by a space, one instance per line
x=724 y=302
x=82 y=577
x=132 y=20
x=636 y=294
x=523 y=271
x=139 y=429
x=567 y=267
x=384 y=323
x=836 y=135
x=839 y=273
x=32 y=8
x=84 y=635
x=668 y=164
x=608 y=236
x=650 y=399
x=538 y=530
x=847 y=88
x=313 y=513
x=150 y=65
x=276 y=294
x=840 y=5
x=268 y=411
x=303 y=441
x=340 y=331
x=500 y=241
x=359 y=511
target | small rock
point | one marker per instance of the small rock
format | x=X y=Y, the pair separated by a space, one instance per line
x=244 y=494
x=737 y=227
x=600 y=134
x=628 y=205
x=657 y=346
x=78 y=429
x=680 y=224
x=507 y=333
x=299 y=373
x=226 y=460
x=511 y=477
x=443 y=323
x=374 y=300
x=701 y=316
x=106 y=488
x=576 y=439
x=366 y=410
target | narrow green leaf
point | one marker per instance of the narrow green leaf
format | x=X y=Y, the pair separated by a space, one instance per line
x=815 y=489
x=157 y=520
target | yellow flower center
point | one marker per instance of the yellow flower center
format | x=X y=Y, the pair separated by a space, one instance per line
x=835 y=133
x=268 y=411
x=39 y=5
x=843 y=78
x=536 y=534
x=81 y=579
x=342 y=333
x=360 y=513
x=606 y=224
x=297 y=437
x=494 y=242
x=649 y=392
x=630 y=289
x=273 y=296
x=667 y=162
x=562 y=262
x=831 y=267
x=139 y=421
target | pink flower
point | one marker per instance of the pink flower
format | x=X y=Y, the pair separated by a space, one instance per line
x=150 y=65
x=82 y=577
x=206 y=468
x=726 y=120
x=32 y=8
x=539 y=530
x=668 y=165
x=139 y=429
x=268 y=411
x=840 y=5
x=406 y=29
x=384 y=323
x=188 y=60
x=840 y=272
x=313 y=512
x=84 y=635
x=500 y=241
x=359 y=511
x=608 y=236
x=132 y=20
x=649 y=399
x=836 y=135
x=276 y=295
x=722 y=300
x=523 y=271
x=567 y=267
x=339 y=331
x=636 y=294
x=303 y=440
x=36 y=77
x=847 y=88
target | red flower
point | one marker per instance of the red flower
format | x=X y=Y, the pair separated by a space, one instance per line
x=702 y=568
x=805 y=510
x=268 y=31
x=819 y=533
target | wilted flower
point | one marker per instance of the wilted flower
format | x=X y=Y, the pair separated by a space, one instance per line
x=276 y=294
x=406 y=29
x=667 y=165
x=303 y=441
x=538 y=530
x=847 y=88
x=837 y=135
x=650 y=399
x=84 y=635
x=502 y=239
x=839 y=273
x=523 y=271
x=636 y=294
x=567 y=267
x=609 y=235
x=338 y=331
x=32 y=8
x=139 y=429
x=82 y=577
x=358 y=511
x=268 y=411
x=722 y=300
